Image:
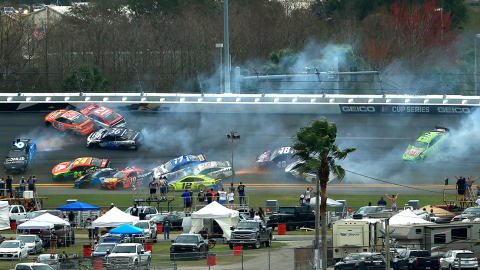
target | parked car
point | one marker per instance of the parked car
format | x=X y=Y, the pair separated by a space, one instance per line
x=175 y=220
x=417 y=260
x=17 y=212
x=251 y=232
x=35 y=214
x=149 y=210
x=459 y=259
x=470 y=213
x=33 y=266
x=188 y=246
x=292 y=216
x=13 y=250
x=372 y=211
x=128 y=255
x=361 y=261
x=103 y=249
x=33 y=242
x=113 y=238
x=149 y=229
x=50 y=259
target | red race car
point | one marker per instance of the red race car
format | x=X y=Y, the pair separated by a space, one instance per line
x=104 y=115
x=70 y=122
x=126 y=178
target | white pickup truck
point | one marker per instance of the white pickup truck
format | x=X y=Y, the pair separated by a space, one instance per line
x=16 y=212
x=128 y=255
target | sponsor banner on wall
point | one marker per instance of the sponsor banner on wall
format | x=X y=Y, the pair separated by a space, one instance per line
x=406 y=109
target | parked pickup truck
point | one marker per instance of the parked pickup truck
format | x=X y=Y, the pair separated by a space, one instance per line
x=251 y=232
x=128 y=255
x=293 y=217
x=416 y=260
x=16 y=212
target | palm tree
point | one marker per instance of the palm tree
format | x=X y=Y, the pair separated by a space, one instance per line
x=314 y=144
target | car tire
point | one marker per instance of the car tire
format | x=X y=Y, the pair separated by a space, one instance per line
x=47 y=123
x=84 y=185
x=123 y=147
x=290 y=227
x=335 y=268
x=119 y=186
x=269 y=242
x=60 y=177
x=257 y=244
x=34 y=250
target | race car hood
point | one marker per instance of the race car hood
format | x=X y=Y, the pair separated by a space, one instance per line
x=412 y=151
x=60 y=168
x=111 y=180
x=15 y=161
x=97 y=135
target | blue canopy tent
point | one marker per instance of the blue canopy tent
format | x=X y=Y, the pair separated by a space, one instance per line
x=126 y=229
x=78 y=206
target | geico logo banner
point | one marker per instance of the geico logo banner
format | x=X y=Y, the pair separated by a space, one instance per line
x=363 y=109
x=453 y=110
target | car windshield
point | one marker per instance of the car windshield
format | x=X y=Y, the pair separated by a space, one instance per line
x=419 y=144
x=9 y=245
x=125 y=249
x=188 y=239
x=420 y=253
x=120 y=175
x=472 y=210
x=158 y=218
x=104 y=247
x=27 y=238
x=96 y=162
x=168 y=166
x=352 y=257
x=465 y=255
x=45 y=256
x=375 y=257
x=17 y=153
x=35 y=214
x=80 y=119
x=366 y=210
x=247 y=225
x=142 y=225
x=286 y=210
x=40 y=267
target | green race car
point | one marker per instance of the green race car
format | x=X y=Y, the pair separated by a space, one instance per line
x=427 y=145
x=196 y=182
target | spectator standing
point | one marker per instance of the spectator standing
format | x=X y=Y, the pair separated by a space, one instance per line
x=112 y=205
x=308 y=193
x=261 y=214
x=142 y=214
x=301 y=200
x=393 y=200
x=167 y=225
x=369 y=203
x=53 y=241
x=230 y=198
x=222 y=196
x=9 y=185
x=209 y=197
x=82 y=224
x=446 y=181
x=256 y=217
x=460 y=187
x=63 y=256
x=231 y=188
x=31 y=184
x=91 y=234
x=23 y=184
x=382 y=202
x=163 y=189
x=478 y=201
x=153 y=189
x=251 y=213
x=187 y=200
x=71 y=219
x=241 y=192
x=201 y=198
x=2 y=187
x=214 y=195
x=134 y=210
x=470 y=184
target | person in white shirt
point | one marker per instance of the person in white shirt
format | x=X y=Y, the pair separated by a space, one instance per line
x=307 y=194
x=222 y=196
x=478 y=201
x=230 y=197
x=256 y=217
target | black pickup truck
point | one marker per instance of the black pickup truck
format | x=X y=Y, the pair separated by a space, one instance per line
x=416 y=260
x=293 y=217
x=250 y=232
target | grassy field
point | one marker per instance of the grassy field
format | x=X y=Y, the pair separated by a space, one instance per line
x=256 y=200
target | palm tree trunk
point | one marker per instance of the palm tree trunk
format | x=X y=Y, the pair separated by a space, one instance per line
x=317 y=217
x=323 y=219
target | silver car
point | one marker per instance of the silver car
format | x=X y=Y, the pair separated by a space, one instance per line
x=459 y=259
x=33 y=242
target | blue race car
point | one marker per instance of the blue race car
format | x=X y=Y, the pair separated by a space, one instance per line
x=20 y=155
x=115 y=138
x=95 y=178
x=179 y=163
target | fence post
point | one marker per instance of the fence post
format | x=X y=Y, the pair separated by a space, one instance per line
x=174 y=265
x=242 y=259
x=268 y=259
x=208 y=259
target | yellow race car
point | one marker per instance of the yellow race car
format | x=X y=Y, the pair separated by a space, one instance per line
x=196 y=182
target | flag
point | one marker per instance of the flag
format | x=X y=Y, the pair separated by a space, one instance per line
x=39 y=32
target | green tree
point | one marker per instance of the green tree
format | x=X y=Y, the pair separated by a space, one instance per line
x=86 y=79
x=315 y=145
x=281 y=62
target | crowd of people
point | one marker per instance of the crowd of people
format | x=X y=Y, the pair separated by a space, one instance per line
x=6 y=185
x=222 y=196
x=464 y=187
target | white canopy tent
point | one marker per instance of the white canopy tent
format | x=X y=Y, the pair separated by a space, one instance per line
x=114 y=218
x=330 y=202
x=223 y=216
x=4 y=217
x=35 y=225
x=49 y=218
x=406 y=217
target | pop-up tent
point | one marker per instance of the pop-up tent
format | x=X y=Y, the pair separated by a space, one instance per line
x=4 y=218
x=330 y=202
x=49 y=218
x=406 y=217
x=223 y=216
x=78 y=206
x=126 y=229
x=35 y=225
x=114 y=218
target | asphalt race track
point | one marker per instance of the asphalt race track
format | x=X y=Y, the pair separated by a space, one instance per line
x=380 y=141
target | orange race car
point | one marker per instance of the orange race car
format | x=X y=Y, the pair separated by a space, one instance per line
x=126 y=178
x=70 y=122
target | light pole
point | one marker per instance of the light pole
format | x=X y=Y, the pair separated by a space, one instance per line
x=476 y=36
x=220 y=45
x=227 y=46
x=232 y=136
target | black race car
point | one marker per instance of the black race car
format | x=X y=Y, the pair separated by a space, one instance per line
x=361 y=261
x=95 y=178
x=275 y=159
x=20 y=155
